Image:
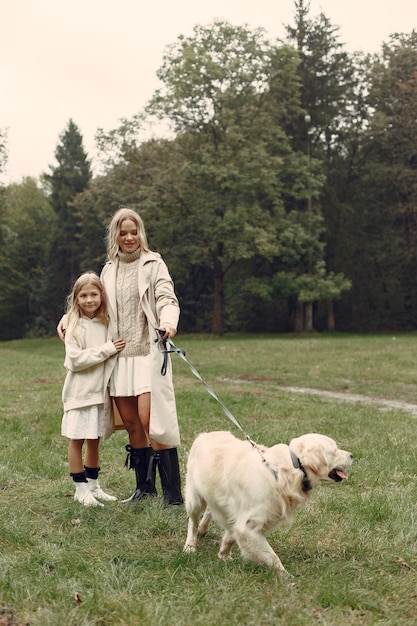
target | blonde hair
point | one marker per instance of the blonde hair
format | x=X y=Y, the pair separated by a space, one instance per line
x=74 y=312
x=113 y=231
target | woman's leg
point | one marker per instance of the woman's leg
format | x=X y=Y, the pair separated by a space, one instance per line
x=129 y=412
x=135 y=413
x=166 y=457
x=144 y=410
x=140 y=454
x=169 y=472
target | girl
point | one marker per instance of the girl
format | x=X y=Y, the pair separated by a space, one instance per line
x=89 y=360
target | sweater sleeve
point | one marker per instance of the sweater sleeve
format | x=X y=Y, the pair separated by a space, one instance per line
x=77 y=358
x=167 y=305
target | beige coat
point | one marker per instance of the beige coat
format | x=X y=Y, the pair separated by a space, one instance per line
x=89 y=360
x=160 y=305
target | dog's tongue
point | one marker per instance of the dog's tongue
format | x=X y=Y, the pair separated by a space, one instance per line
x=341 y=474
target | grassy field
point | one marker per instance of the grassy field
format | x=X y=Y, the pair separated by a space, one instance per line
x=352 y=550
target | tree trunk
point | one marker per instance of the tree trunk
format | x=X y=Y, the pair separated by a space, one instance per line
x=330 y=316
x=299 y=317
x=308 y=326
x=218 y=309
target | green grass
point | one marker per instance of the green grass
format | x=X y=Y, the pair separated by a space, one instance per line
x=352 y=550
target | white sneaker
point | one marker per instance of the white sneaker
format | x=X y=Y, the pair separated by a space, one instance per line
x=97 y=491
x=84 y=495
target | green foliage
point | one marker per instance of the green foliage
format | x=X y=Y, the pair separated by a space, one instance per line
x=263 y=218
x=70 y=177
x=225 y=91
x=383 y=223
x=209 y=76
x=351 y=551
x=26 y=231
x=327 y=76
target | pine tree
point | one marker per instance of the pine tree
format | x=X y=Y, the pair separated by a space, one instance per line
x=328 y=96
x=69 y=178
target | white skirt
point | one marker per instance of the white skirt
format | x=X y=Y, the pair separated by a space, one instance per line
x=131 y=376
x=87 y=422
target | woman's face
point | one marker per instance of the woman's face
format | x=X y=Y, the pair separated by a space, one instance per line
x=128 y=238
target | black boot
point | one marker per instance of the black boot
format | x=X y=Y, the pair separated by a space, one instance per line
x=142 y=461
x=169 y=471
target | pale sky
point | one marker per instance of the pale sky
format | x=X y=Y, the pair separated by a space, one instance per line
x=95 y=61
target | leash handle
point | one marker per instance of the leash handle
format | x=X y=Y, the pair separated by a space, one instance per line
x=161 y=332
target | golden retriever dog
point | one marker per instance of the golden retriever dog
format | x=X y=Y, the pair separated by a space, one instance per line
x=251 y=489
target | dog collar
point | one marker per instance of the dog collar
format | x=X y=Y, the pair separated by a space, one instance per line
x=298 y=465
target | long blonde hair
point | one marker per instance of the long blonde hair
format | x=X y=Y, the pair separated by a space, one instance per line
x=74 y=312
x=113 y=231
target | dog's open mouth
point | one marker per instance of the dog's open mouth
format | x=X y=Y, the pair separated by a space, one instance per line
x=337 y=474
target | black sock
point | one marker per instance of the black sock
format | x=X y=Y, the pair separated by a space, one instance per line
x=91 y=472
x=79 y=477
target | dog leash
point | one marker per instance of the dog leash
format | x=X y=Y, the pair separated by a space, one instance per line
x=162 y=347
x=165 y=350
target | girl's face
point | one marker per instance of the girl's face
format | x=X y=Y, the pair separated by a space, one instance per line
x=89 y=300
x=128 y=238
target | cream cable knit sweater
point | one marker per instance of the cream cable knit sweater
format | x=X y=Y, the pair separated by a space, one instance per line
x=133 y=326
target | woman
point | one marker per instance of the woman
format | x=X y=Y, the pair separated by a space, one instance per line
x=141 y=299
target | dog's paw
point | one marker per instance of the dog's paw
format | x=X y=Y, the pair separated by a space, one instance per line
x=225 y=557
x=189 y=549
x=284 y=573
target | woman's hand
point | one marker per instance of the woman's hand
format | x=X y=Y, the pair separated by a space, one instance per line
x=62 y=327
x=170 y=331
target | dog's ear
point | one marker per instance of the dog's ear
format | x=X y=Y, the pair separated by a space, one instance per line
x=311 y=456
x=315 y=460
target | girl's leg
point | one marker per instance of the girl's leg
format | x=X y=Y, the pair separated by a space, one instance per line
x=75 y=462
x=75 y=459
x=92 y=460
x=92 y=453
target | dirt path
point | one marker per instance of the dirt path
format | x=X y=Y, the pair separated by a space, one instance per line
x=354 y=397
x=347 y=397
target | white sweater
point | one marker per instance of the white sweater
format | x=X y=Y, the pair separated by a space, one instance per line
x=85 y=356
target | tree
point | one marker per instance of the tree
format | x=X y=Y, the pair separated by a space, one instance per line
x=26 y=230
x=71 y=176
x=384 y=195
x=217 y=191
x=329 y=86
x=328 y=79
x=232 y=155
